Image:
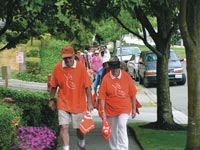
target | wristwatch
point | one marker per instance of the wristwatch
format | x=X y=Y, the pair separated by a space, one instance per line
x=52 y=99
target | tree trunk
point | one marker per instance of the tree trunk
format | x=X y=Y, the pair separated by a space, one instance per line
x=31 y=41
x=190 y=32
x=193 y=72
x=161 y=38
x=164 y=110
x=165 y=118
x=114 y=46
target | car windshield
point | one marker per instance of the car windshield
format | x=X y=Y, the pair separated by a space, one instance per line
x=152 y=57
x=173 y=56
x=128 y=51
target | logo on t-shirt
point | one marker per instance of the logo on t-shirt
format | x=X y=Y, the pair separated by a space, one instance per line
x=118 y=90
x=69 y=81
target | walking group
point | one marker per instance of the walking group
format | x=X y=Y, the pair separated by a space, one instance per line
x=75 y=77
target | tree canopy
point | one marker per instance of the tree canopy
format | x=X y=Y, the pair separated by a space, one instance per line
x=24 y=19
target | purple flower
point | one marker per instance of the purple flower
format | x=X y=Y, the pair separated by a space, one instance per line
x=32 y=138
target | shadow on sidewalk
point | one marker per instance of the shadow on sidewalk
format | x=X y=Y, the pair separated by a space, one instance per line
x=94 y=139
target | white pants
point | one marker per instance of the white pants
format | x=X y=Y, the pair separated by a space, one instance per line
x=119 y=137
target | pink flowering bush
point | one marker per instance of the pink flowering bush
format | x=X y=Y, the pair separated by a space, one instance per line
x=36 y=138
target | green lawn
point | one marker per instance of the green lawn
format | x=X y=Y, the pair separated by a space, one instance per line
x=152 y=139
x=180 y=51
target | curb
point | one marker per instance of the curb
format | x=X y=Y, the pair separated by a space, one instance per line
x=178 y=116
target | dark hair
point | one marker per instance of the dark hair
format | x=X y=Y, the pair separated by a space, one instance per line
x=76 y=58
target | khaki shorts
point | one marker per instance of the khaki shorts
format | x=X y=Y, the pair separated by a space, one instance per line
x=66 y=118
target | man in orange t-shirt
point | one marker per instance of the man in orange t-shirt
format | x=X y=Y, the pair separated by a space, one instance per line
x=117 y=97
x=74 y=86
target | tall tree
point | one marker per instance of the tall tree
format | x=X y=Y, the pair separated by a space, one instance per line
x=165 y=13
x=190 y=31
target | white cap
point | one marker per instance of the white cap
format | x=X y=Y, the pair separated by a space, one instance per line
x=96 y=51
x=105 y=59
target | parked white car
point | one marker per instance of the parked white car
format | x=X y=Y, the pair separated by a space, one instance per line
x=125 y=53
x=132 y=67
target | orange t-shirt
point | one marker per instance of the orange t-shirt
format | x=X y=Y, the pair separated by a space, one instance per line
x=72 y=83
x=117 y=94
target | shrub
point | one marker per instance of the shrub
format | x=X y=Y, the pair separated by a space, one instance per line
x=34 y=106
x=31 y=77
x=33 y=53
x=33 y=65
x=50 y=55
x=10 y=119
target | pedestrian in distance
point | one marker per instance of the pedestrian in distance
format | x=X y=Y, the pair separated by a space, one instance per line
x=96 y=62
x=88 y=58
x=81 y=57
x=104 y=53
x=71 y=80
x=99 y=74
x=117 y=95
x=98 y=79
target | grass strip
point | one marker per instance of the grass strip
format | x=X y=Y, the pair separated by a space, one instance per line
x=153 y=139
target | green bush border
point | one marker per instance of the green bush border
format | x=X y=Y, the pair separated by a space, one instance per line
x=34 y=105
x=10 y=119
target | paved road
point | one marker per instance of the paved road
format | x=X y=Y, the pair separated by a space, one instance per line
x=178 y=95
x=18 y=84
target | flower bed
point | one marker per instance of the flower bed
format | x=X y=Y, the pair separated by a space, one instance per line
x=33 y=138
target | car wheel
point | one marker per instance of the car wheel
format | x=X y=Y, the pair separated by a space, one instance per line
x=146 y=82
x=183 y=80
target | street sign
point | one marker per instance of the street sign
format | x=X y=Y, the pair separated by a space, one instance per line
x=20 y=57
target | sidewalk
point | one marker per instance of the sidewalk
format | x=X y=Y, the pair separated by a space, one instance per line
x=148 y=112
x=94 y=140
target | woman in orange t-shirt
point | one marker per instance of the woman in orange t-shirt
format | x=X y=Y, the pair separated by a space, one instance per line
x=117 y=97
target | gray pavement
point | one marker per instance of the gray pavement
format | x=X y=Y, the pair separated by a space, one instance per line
x=18 y=84
x=94 y=140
